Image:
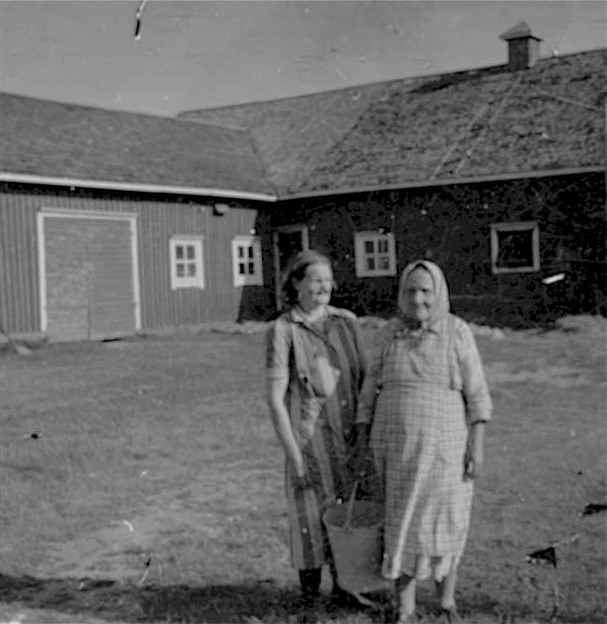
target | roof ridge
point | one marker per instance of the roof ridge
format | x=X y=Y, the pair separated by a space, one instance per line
x=120 y=112
x=402 y=80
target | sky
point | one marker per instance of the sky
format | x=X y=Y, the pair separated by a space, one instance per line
x=201 y=54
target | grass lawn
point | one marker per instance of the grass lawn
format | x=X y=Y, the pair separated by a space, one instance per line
x=141 y=481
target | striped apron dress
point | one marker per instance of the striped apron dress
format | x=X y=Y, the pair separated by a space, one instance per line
x=325 y=370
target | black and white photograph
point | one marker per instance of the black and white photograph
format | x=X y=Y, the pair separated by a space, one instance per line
x=303 y=312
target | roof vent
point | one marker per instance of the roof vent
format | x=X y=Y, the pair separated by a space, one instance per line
x=523 y=47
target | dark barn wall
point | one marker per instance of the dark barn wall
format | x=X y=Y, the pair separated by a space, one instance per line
x=451 y=225
x=19 y=292
x=159 y=217
x=258 y=302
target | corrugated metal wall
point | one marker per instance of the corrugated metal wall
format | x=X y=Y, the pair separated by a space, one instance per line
x=157 y=221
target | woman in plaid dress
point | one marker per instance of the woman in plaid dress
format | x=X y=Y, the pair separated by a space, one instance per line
x=315 y=369
x=427 y=402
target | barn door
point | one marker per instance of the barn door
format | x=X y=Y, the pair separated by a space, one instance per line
x=88 y=278
x=67 y=310
x=111 y=300
x=288 y=240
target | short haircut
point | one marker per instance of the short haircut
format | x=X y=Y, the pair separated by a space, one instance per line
x=296 y=270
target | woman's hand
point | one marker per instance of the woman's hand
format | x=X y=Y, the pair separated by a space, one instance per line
x=359 y=440
x=472 y=464
x=301 y=477
x=474 y=455
x=276 y=390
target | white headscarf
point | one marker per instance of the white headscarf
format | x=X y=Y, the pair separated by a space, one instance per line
x=441 y=291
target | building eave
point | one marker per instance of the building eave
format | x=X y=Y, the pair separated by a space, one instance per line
x=444 y=182
x=22 y=178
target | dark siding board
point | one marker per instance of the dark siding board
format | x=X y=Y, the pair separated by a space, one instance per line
x=224 y=297
x=220 y=287
x=19 y=295
x=154 y=265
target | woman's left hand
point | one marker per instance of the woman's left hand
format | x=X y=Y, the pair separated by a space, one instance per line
x=473 y=457
x=472 y=464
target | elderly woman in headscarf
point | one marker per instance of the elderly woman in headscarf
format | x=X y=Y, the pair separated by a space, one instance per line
x=315 y=369
x=425 y=402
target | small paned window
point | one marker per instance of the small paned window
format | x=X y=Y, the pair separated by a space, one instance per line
x=515 y=247
x=375 y=254
x=246 y=261
x=186 y=262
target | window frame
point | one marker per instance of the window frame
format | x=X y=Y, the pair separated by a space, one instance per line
x=360 y=238
x=519 y=226
x=177 y=281
x=256 y=278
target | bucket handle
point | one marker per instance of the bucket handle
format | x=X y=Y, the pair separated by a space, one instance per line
x=350 y=506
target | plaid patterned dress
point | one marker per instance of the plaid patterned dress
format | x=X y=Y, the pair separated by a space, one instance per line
x=325 y=369
x=425 y=387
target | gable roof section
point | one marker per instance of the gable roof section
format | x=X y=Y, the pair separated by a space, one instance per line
x=43 y=140
x=291 y=134
x=463 y=125
x=547 y=118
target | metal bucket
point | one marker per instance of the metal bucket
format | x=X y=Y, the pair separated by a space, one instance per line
x=355 y=534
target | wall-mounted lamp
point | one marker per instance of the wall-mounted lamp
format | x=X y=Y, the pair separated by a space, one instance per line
x=221 y=209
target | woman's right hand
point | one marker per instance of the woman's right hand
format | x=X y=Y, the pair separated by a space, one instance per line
x=301 y=477
x=360 y=452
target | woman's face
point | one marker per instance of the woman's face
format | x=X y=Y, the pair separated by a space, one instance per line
x=315 y=287
x=417 y=298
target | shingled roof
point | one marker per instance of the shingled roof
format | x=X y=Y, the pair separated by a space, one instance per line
x=470 y=124
x=56 y=141
x=292 y=133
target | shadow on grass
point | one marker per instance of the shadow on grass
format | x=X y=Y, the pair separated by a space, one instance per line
x=253 y=603
x=260 y=602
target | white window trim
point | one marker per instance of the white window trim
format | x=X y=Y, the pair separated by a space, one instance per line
x=359 y=241
x=187 y=282
x=515 y=227
x=256 y=279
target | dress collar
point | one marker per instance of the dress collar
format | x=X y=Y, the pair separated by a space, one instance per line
x=297 y=316
x=403 y=327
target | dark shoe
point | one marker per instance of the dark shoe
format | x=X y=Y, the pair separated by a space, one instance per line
x=307 y=602
x=342 y=599
x=310 y=582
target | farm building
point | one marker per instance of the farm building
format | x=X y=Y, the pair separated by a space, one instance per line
x=113 y=223
x=496 y=173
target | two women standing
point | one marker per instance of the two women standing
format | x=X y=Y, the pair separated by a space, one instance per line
x=421 y=407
